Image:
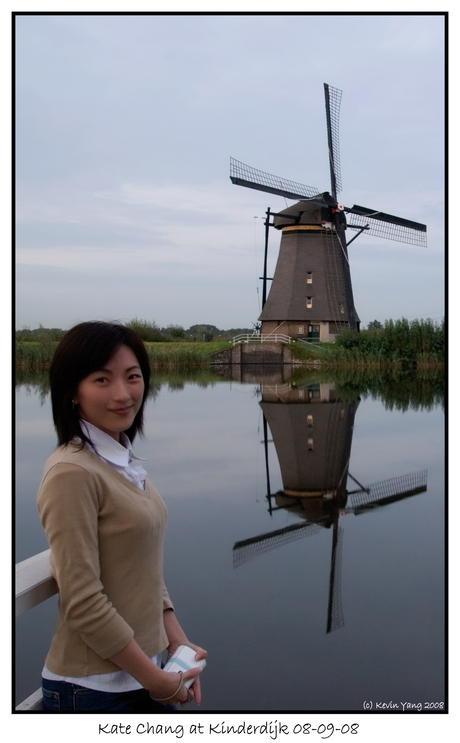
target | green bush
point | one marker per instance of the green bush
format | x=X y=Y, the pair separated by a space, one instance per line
x=148 y=331
x=398 y=341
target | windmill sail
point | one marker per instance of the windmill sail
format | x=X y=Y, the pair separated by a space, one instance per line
x=333 y=98
x=387 y=226
x=335 y=618
x=387 y=491
x=245 y=175
x=246 y=549
x=376 y=223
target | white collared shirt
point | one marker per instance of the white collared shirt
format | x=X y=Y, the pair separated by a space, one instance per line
x=120 y=457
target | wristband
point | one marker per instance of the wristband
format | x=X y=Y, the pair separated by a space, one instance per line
x=166 y=699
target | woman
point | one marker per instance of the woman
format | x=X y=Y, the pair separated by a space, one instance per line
x=105 y=524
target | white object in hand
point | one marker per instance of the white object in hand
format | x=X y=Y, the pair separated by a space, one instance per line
x=183 y=660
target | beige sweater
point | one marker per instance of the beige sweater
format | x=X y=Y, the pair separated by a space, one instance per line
x=106 y=539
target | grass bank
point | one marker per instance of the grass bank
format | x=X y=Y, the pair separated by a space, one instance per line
x=182 y=354
x=36 y=355
x=397 y=345
x=331 y=356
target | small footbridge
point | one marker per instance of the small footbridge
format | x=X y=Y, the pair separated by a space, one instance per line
x=255 y=349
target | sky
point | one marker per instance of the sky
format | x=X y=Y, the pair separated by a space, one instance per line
x=125 y=125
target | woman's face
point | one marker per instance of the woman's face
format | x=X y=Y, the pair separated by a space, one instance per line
x=111 y=397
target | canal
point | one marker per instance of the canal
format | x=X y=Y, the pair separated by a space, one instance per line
x=305 y=543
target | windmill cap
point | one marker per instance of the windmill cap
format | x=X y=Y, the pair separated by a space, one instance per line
x=303 y=212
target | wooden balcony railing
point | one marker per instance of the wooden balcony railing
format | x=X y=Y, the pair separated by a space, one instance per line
x=34 y=584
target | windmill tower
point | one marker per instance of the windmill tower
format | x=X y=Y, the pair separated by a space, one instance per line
x=312 y=431
x=311 y=295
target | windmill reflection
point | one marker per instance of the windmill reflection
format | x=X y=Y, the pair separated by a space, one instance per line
x=312 y=431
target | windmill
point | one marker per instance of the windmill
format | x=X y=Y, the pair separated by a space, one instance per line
x=312 y=430
x=311 y=295
x=355 y=502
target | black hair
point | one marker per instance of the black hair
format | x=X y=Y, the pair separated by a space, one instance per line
x=84 y=349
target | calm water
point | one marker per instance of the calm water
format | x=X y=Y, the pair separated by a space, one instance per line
x=304 y=602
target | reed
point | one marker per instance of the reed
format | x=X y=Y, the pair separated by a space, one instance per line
x=174 y=355
x=35 y=355
x=399 y=345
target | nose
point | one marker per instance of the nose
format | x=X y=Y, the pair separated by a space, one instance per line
x=121 y=391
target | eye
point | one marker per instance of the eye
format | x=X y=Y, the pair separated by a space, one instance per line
x=135 y=376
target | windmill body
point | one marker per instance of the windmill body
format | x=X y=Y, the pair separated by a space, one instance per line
x=311 y=295
x=312 y=433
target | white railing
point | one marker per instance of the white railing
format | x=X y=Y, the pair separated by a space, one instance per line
x=256 y=338
x=310 y=342
x=276 y=389
x=34 y=584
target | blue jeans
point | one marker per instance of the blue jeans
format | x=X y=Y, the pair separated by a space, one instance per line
x=60 y=696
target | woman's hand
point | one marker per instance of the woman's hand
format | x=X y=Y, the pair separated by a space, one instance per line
x=163 y=686
x=177 y=637
x=174 y=691
x=195 y=688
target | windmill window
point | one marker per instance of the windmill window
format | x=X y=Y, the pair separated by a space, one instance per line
x=309 y=277
x=309 y=302
x=300 y=329
x=310 y=444
x=310 y=421
x=342 y=308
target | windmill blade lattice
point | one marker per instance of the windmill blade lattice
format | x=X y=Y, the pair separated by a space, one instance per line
x=387 y=226
x=250 y=548
x=335 y=618
x=245 y=175
x=387 y=491
x=333 y=98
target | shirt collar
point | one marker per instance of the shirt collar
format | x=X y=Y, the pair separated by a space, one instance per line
x=106 y=446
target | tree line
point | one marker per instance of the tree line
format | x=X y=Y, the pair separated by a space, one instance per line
x=149 y=331
x=404 y=340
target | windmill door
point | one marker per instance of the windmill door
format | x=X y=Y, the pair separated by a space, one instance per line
x=313 y=333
